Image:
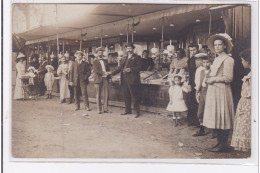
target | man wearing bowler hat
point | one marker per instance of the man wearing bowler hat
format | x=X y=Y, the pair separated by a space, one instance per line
x=130 y=79
x=79 y=75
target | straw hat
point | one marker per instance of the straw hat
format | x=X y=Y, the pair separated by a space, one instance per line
x=49 y=66
x=79 y=52
x=178 y=75
x=200 y=55
x=99 y=49
x=222 y=36
x=31 y=68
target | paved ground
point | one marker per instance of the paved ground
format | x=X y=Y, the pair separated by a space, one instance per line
x=41 y=130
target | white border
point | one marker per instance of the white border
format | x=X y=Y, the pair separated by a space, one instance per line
x=107 y=165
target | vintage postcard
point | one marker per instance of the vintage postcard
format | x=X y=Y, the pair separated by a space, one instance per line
x=133 y=82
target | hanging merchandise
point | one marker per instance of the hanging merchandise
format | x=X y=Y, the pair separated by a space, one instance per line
x=120 y=56
x=52 y=55
x=170 y=49
x=154 y=51
x=66 y=54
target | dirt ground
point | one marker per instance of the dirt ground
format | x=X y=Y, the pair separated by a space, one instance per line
x=47 y=129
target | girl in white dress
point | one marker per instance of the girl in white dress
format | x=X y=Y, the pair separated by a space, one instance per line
x=18 y=91
x=49 y=80
x=177 y=104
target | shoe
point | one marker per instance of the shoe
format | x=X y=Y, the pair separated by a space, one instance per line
x=99 y=112
x=87 y=109
x=137 y=115
x=48 y=96
x=107 y=112
x=63 y=101
x=199 y=133
x=125 y=113
x=77 y=108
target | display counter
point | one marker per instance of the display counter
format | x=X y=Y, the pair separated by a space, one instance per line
x=154 y=89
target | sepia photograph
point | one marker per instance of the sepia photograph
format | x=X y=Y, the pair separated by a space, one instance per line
x=131 y=81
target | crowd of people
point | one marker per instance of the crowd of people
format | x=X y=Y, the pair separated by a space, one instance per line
x=200 y=86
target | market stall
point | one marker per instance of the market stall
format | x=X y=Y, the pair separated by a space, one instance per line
x=149 y=27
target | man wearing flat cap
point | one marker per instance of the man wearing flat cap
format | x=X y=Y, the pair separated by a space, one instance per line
x=79 y=75
x=101 y=78
x=130 y=79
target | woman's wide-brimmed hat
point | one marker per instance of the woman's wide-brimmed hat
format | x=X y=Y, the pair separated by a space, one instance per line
x=222 y=36
x=49 y=66
x=20 y=55
x=31 y=68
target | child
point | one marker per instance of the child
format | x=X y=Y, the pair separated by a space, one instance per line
x=49 y=80
x=187 y=86
x=201 y=91
x=32 y=76
x=177 y=104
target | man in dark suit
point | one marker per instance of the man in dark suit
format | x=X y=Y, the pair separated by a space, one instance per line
x=193 y=107
x=101 y=69
x=130 y=79
x=41 y=74
x=79 y=75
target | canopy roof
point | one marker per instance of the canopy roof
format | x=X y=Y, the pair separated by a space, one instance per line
x=37 y=22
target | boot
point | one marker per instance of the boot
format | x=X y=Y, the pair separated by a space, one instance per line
x=216 y=147
x=48 y=96
x=224 y=143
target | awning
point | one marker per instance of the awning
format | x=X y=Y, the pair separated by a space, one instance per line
x=175 y=15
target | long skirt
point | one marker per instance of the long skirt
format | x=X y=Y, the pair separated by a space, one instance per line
x=18 y=91
x=219 y=109
x=64 y=88
x=241 y=138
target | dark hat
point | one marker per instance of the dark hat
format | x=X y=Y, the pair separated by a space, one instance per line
x=129 y=44
x=99 y=49
x=194 y=44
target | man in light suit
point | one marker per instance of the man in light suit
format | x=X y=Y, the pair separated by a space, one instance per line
x=79 y=75
x=130 y=79
x=101 y=69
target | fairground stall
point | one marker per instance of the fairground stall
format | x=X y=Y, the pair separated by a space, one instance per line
x=51 y=29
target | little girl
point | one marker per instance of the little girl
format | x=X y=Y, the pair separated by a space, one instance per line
x=177 y=104
x=32 y=76
x=49 y=80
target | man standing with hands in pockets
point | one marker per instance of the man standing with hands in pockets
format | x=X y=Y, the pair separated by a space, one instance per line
x=130 y=79
x=79 y=75
x=101 y=78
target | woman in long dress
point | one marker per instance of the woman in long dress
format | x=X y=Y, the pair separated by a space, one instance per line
x=219 y=109
x=241 y=138
x=63 y=73
x=18 y=91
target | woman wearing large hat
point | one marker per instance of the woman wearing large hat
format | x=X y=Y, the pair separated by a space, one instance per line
x=219 y=109
x=18 y=91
